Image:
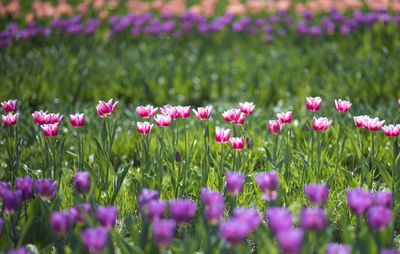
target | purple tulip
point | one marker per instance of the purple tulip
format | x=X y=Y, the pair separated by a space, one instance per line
x=214 y=212
x=389 y=251
x=107 y=216
x=290 y=241
x=313 y=219
x=4 y=187
x=182 y=210
x=20 y=250
x=382 y=198
x=358 y=200
x=248 y=216
x=11 y=201
x=234 y=183
x=82 y=182
x=379 y=217
x=94 y=239
x=211 y=197
x=59 y=222
x=279 y=219
x=268 y=182
x=337 y=248
x=77 y=215
x=46 y=188
x=145 y=197
x=156 y=210
x=1 y=226
x=163 y=232
x=233 y=231
x=25 y=185
x=317 y=194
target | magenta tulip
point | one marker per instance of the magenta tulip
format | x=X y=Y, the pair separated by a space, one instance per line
x=313 y=104
x=146 y=111
x=321 y=124
x=237 y=143
x=391 y=130
x=285 y=118
x=274 y=126
x=10 y=106
x=231 y=115
x=77 y=120
x=342 y=106
x=222 y=135
x=203 y=113
x=163 y=120
x=144 y=128
x=247 y=108
x=10 y=119
x=106 y=109
x=50 y=130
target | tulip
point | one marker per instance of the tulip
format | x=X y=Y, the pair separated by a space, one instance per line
x=313 y=104
x=94 y=239
x=4 y=187
x=290 y=241
x=381 y=198
x=77 y=120
x=46 y=188
x=213 y=206
x=11 y=201
x=183 y=112
x=279 y=219
x=373 y=124
x=77 y=215
x=337 y=248
x=241 y=119
x=358 y=200
x=25 y=185
x=163 y=120
x=398 y=101
x=171 y=111
x=321 y=124
x=106 y=109
x=107 y=216
x=233 y=231
x=144 y=199
x=203 y=113
x=156 y=210
x=82 y=182
x=285 y=118
x=10 y=106
x=388 y=251
x=144 y=128
x=10 y=119
x=182 y=210
x=237 y=143
x=391 y=130
x=222 y=135
x=247 y=108
x=248 y=142
x=50 y=130
x=1 y=226
x=59 y=222
x=379 y=217
x=146 y=111
x=231 y=115
x=342 y=106
x=163 y=232
x=268 y=183
x=20 y=250
x=234 y=183
x=39 y=117
x=274 y=126
x=317 y=194
x=248 y=216
x=211 y=197
x=360 y=121
x=313 y=219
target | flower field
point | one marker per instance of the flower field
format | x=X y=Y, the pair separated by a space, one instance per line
x=200 y=127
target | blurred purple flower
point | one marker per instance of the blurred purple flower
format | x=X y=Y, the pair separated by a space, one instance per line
x=94 y=239
x=107 y=216
x=182 y=210
x=279 y=219
x=233 y=231
x=379 y=217
x=163 y=232
x=337 y=248
x=358 y=200
x=290 y=241
x=59 y=222
x=25 y=185
x=313 y=219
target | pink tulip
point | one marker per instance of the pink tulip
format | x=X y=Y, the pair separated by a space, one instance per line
x=313 y=104
x=241 y=119
x=163 y=120
x=50 y=130
x=222 y=135
x=231 y=115
x=321 y=124
x=77 y=120
x=247 y=108
x=106 y=109
x=285 y=117
x=237 y=143
x=39 y=117
x=203 y=113
x=146 y=111
x=399 y=102
x=342 y=106
x=274 y=126
x=10 y=119
x=373 y=124
x=53 y=118
x=360 y=121
x=144 y=128
x=391 y=130
x=10 y=106
x=183 y=111
x=171 y=111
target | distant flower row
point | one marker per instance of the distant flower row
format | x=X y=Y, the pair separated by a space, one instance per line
x=167 y=25
x=103 y=8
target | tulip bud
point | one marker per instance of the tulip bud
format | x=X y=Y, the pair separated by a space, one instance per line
x=248 y=143
x=178 y=157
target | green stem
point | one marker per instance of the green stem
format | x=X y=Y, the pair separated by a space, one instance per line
x=221 y=168
x=337 y=147
x=312 y=149
x=275 y=151
x=319 y=154
x=394 y=169
x=373 y=160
